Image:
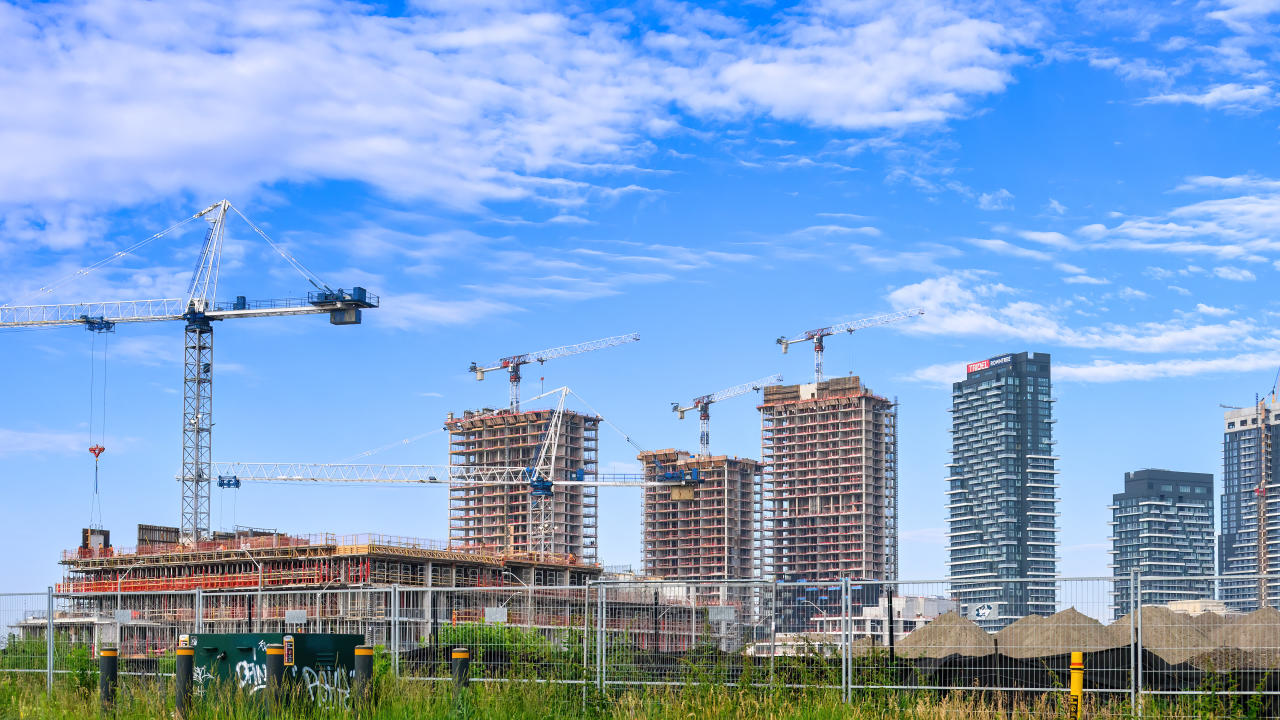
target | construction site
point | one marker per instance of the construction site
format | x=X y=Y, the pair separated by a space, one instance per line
x=523 y=487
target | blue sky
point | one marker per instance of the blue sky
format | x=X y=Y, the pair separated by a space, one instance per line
x=1095 y=180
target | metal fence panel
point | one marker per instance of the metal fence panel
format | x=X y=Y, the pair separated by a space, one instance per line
x=25 y=618
x=849 y=635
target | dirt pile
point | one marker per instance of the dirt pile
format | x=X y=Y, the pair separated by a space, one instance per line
x=946 y=635
x=1259 y=630
x=1173 y=636
x=1064 y=632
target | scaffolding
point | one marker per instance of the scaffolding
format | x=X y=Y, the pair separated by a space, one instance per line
x=830 y=495
x=487 y=517
x=708 y=532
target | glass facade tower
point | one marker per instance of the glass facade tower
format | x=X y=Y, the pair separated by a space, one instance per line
x=1002 y=493
x=1162 y=526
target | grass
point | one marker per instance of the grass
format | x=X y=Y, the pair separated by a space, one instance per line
x=23 y=696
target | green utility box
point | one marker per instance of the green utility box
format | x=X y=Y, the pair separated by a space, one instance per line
x=321 y=664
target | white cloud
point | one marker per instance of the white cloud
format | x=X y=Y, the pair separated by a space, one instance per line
x=999 y=200
x=1234 y=273
x=1107 y=371
x=1085 y=280
x=26 y=442
x=1227 y=95
x=1180 y=290
x=894 y=260
x=822 y=230
x=966 y=304
x=460 y=104
x=415 y=311
x=876 y=64
x=1129 y=293
x=1056 y=207
x=1006 y=248
x=1104 y=371
x=1214 y=311
x=1235 y=182
x=1052 y=239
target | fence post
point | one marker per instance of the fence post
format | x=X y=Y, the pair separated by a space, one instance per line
x=600 y=635
x=1134 y=650
x=48 y=646
x=773 y=626
x=846 y=641
x=395 y=629
x=1138 y=615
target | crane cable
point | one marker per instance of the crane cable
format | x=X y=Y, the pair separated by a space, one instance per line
x=96 y=444
x=289 y=258
x=109 y=259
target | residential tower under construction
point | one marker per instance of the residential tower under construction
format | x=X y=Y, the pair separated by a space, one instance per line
x=707 y=531
x=500 y=519
x=830 y=450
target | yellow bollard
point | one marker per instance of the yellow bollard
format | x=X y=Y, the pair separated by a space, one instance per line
x=1076 y=709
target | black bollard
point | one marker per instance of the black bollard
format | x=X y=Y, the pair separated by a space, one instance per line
x=364 y=671
x=183 y=671
x=108 y=664
x=461 y=678
x=461 y=667
x=275 y=678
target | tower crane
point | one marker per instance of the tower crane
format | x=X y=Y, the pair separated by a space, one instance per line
x=703 y=405
x=513 y=363
x=197 y=310
x=818 y=334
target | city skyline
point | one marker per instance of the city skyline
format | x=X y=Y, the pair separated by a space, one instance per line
x=1081 y=180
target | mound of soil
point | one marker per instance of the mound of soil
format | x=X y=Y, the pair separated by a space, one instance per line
x=947 y=634
x=1066 y=631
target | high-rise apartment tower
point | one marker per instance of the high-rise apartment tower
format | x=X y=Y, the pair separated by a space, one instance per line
x=706 y=532
x=497 y=518
x=1162 y=526
x=1002 y=490
x=830 y=496
x=1249 y=474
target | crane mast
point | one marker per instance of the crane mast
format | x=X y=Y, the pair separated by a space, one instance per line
x=513 y=363
x=817 y=335
x=703 y=405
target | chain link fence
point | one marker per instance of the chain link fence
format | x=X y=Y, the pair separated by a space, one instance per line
x=846 y=635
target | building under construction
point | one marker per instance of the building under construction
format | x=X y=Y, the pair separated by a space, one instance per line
x=500 y=519
x=830 y=492
x=1249 y=543
x=710 y=531
x=255 y=581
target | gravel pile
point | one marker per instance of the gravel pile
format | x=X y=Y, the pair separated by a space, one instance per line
x=947 y=635
x=1175 y=637
x=1209 y=622
x=1259 y=630
x=1067 y=631
x=1011 y=635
